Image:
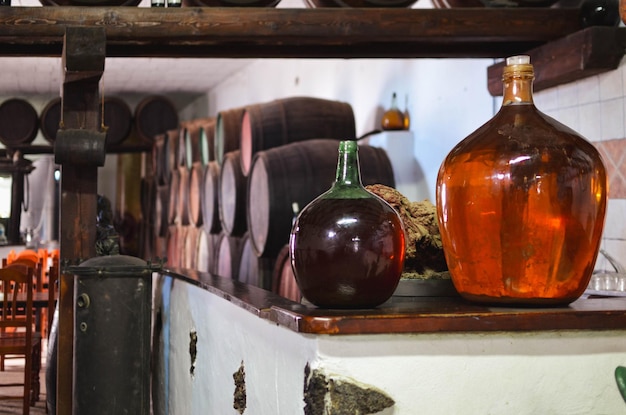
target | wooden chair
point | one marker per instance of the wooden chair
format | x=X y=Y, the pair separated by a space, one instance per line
x=18 y=335
x=31 y=259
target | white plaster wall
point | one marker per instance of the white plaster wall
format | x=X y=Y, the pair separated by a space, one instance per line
x=485 y=373
x=564 y=372
x=447 y=98
x=228 y=336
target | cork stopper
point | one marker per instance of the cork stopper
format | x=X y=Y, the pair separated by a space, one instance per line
x=519 y=64
x=518 y=60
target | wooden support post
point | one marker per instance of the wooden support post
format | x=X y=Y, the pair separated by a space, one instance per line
x=83 y=64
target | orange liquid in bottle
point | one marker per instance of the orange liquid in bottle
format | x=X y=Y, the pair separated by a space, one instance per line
x=521 y=205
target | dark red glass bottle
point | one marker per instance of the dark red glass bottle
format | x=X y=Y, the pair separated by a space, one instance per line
x=347 y=246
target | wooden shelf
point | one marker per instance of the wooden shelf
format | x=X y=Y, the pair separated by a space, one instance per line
x=412 y=314
x=562 y=50
x=587 y=52
x=206 y=32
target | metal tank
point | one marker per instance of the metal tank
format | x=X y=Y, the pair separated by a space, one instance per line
x=112 y=326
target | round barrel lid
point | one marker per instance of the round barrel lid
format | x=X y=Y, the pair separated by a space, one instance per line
x=19 y=122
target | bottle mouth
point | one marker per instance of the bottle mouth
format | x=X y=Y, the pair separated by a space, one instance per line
x=519 y=64
x=348 y=145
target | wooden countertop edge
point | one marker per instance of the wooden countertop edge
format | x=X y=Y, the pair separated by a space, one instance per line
x=411 y=314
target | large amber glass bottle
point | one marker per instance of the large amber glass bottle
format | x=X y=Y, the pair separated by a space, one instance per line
x=347 y=246
x=521 y=204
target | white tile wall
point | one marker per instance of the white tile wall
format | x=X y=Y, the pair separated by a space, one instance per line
x=612 y=118
x=595 y=107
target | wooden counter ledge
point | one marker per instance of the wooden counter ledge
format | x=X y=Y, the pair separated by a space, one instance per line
x=411 y=314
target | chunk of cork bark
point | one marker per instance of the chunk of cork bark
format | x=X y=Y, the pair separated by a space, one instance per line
x=424 y=252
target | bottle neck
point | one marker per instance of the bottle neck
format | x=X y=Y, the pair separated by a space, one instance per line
x=348 y=169
x=518 y=88
x=394 y=102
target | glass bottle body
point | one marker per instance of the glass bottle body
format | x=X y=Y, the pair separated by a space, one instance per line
x=406 y=116
x=347 y=248
x=393 y=118
x=521 y=206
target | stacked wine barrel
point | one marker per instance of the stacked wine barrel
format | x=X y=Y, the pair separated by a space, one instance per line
x=181 y=158
x=236 y=182
x=152 y=116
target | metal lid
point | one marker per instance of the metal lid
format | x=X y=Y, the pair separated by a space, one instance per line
x=113 y=265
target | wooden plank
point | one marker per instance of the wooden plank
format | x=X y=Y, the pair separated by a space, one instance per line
x=585 y=53
x=270 y=32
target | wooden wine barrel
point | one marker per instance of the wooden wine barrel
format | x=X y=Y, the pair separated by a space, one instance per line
x=210 y=198
x=361 y=3
x=293 y=175
x=232 y=195
x=206 y=256
x=228 y=256
x=196 y=185
x=161 y=209
x=190 y=138
x=148 y=198
x=170 y=153
x=19 y=122
x=283 y=279
x=172 y=207
x=118 y=119
x=154 y=115
x=206 y=128
x=288 y=120
x=254 y=270
x=50 y=119
x=177 y=146
x=449 y=4
x=227 y=132
x=182 y=202
x=230 y=3
x=182 y=237
x=173 y=248
x=158 y=159
x=98 y=3
x=160 y=247
x=148 y=168
x=190 y=247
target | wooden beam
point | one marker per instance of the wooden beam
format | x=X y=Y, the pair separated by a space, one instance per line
x=270 y=32
x=589 y=52
x=83 y=65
